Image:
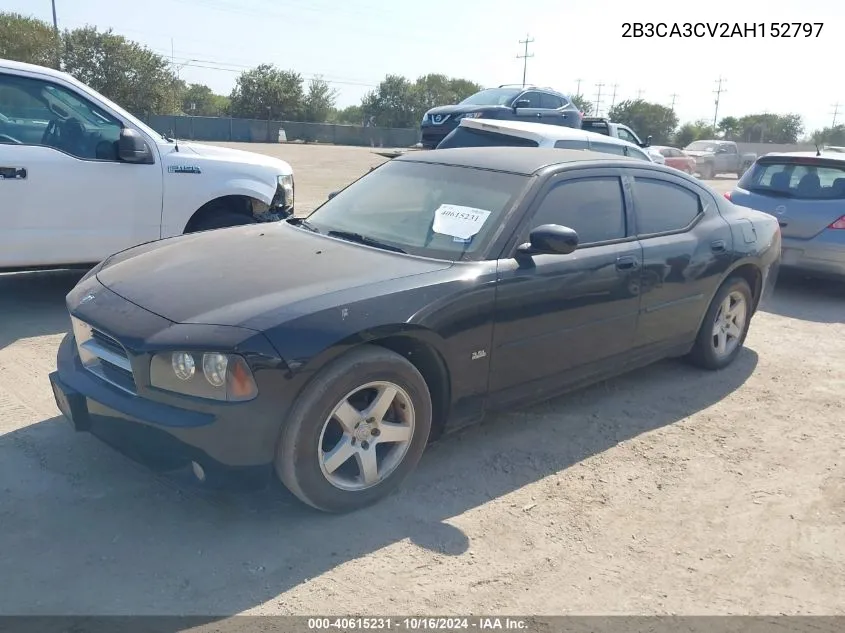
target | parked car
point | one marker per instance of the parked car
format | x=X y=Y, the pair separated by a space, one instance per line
x=437 y=287
x=81 y=178
x=505 y=103
x=601 y=125
x=484 y=133
x=676 y=158
x=805 y=191
x=719 y=157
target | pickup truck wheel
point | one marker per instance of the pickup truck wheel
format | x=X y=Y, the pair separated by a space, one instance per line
x=707 y=172
x=220 y=221
x=356 y=431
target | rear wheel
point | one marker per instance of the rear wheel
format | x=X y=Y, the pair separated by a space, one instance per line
x=356 y=432
x=707 y=172
x=725 y=326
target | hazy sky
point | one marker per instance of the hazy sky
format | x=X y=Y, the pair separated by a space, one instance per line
x=354 y=43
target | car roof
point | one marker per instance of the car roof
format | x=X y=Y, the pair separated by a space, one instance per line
x=541 y=131
x=517 y=160
x=827 y=155
x=8 y=64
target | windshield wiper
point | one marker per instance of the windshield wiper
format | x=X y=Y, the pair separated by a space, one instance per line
x=304 y=224
x=363 y=239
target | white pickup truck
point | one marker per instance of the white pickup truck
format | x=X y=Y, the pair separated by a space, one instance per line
x=81 y=178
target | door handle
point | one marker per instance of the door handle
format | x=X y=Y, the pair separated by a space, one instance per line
x=628 y=262
x=719 y=246
x=12 y=173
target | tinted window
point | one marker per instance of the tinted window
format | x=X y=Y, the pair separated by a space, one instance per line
x=599 y=127
x=728 y=149
x=593 y=207
x=803 y=179
x=550 y=102
x=35 y=112
x=633 y=152
x=662 y=206
x=572 y=144
x=471 y=137
x=532 y=97
x=492 y=96
x=397 y=204
x=609 y=148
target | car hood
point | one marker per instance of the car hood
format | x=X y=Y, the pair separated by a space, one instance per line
x=230 y=276
x=697 y=153
x=463 y=109
x=228 y=155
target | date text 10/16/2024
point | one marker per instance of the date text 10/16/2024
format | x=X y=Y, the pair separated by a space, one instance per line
x=722 y=29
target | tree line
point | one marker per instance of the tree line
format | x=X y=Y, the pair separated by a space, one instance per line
x=144 y=82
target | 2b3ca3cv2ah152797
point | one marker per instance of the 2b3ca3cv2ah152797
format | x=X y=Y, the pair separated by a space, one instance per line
x=439 y=286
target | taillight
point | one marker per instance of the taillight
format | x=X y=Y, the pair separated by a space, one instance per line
x=839 y=224
x=728 y=195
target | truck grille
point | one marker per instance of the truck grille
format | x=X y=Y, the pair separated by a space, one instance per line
x=103 y=356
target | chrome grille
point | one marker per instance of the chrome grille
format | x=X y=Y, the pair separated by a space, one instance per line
x=439 y=119
x=103 y=356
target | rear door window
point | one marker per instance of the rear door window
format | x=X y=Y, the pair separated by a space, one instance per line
x=469 y=137
x=802 y=179
x=662 y=206
x=625 y=135
x=572 y=144
x=609 y=148
x=550 y=102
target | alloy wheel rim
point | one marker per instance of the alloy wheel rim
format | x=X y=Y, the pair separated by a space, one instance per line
x=729 y=324
x=366 y=436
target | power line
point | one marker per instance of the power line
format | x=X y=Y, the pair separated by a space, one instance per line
x=718 y=92
x=613 y=98
x=599 y=86
x=835 y=113
x=528 y=40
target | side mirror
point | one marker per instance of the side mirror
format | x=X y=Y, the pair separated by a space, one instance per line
x=722 y=150
x=647 y=141
x=132 y=148
x=333 y=194
x=549 y=239
x=522 y=103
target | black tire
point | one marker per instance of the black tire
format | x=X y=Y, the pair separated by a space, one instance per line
x=297 y=463
x=221 y=220
x=703 y=353
x=706 y=172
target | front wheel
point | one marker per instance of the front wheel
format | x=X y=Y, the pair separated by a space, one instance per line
x=725 y=326
x=356 y=432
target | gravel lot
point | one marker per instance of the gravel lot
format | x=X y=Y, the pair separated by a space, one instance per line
x=670 y=490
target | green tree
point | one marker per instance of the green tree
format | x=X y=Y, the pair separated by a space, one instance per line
x=582 y=104
x=689 y=132
x=646 y=119
x=25 y=39
x=729 y=127
x=199 y=100
x=433 y=90
x=124 y=71
x=830 y=136
x=770 y=128
x=319 y=100
x=350 y=115
x=268 y=92
x=391 y=103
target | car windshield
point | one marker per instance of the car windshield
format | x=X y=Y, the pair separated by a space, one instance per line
x=492 y=96
x=799 y=178
x=432 y=210
x=701 y=146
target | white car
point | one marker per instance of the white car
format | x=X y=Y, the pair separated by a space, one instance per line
x=81 y=178
x=488 y=132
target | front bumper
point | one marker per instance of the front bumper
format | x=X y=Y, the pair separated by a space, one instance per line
x=431 y=135
x=823 y=256
x=227 y=443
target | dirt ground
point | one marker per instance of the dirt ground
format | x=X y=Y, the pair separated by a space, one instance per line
x=670 y=490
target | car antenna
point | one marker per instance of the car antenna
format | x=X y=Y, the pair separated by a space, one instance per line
x=818 y=151
x=175 y=140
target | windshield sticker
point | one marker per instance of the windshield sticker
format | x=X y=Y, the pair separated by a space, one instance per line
x=458 y=221
x=184 y=169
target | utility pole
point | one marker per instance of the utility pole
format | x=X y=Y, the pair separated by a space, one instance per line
x=599 y=86
x=835 y=113
x=674 y=96
x=639 y=94
x=718 y=92
x=578 y=90
x=528 y=40
x=55 y=21
x=613 y=98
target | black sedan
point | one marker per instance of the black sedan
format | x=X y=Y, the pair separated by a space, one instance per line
x=437 y=287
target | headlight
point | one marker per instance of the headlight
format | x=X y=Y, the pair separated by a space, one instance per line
x=224 y=377
x=286 y=185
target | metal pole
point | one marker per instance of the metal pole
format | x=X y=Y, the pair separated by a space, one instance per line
x=55 y=21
